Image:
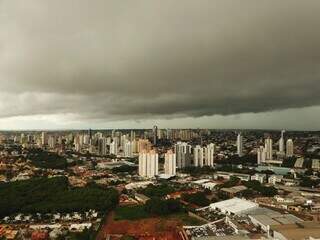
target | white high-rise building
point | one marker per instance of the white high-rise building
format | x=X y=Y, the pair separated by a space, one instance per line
x=209 y=155
x=198 y=156
x=43 y=139
x=239 y=145
x=155 y=135
x=102 y=146
x=52 y=141
x=132 y=135
x=134 y=146
x=114 y=148
x=289 y=148
x=86 y=139
x=183 y=154
x=170 y=163
x=268 y=148
x=281 y=143
x=77 y=147
x=99 y=135
x=123 y=141
x=128 y=149
x=148 y=164
x=261 y=155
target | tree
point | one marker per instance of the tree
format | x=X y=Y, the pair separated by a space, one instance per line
x=268 y=191
x=308 y=182
x=125 y=169
x=50 y=195
x=258 y=187
x=157 y=191
x=233 y=181
x=198 y=199
x=158 y=206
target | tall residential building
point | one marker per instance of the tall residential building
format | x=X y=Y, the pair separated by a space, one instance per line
x=268 y=148
x=281 y=143
x=148 y=164
x=170 y=163
x=77 y=147
x=123 y=139
x=198 y=156
x=90 y=135
x=261 y=155
x=132 y=135
x=168 y=133
x=155 y=135
x=114 y=147
x=43 y=138
x=102 y=146
x=239 y=145
x=289 y=148
x=86 y=139
x=209 y=154
x=183 y=154
x=52 y=141
x=128 y=149
x=134 y=146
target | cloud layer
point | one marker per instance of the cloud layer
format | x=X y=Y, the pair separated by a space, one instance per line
x=117 y=60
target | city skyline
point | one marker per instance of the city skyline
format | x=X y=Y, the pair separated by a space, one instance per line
x=162 y=120
x=203 y=64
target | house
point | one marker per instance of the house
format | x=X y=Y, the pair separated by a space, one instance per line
x=141 y=198
x=259 y=177
x=273 y=179
x=233 y=191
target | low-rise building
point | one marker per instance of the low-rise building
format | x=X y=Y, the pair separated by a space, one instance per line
x=141 y=198
x=234 y=206
x=227 y=175
x=233 y=191
x=274 y=179
x=296 y=231
x=259 y=177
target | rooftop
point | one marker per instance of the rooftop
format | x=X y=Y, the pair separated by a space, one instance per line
x=299 y=231
x=234 y=189
x=234 y=205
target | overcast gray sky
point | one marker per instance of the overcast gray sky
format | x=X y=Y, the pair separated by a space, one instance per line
x=132 y=64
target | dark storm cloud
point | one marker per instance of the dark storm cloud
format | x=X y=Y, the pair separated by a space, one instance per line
x=115 y=59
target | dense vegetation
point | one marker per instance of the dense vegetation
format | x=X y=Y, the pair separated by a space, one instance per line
x=198 y=199
x=131 y=212
x=195 y=171
x=233 y=181
x=43 y=159
x=236 y=169
x=125 y=169
x=157 y=190
x=289 y=162
x=249 y=159
x=49 y=195
x=309 y=182
x=157 y=206
x=258 y=187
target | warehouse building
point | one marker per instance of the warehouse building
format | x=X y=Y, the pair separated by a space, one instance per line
x=234 y=206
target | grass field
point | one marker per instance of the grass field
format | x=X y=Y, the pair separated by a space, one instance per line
x=137 y=212
x=186 y=220
x=130 y=213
